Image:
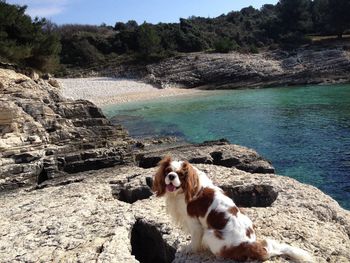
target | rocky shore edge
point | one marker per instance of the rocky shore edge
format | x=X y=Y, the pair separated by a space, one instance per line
x=318 y=64
x=76 y=188
x=313 y=65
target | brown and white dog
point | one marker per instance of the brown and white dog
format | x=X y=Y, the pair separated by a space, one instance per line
x=212 y=218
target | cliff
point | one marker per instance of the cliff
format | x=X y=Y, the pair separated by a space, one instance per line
x=269 y=68
x=43 y=134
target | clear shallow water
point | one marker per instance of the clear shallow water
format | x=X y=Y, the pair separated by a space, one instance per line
x=304 y=131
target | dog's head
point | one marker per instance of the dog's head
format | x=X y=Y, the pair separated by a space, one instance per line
x=176 y=177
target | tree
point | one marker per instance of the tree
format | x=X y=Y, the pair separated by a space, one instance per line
x=44 y=55
x=190 y=37
x=79 y=51
x=119 y=26
x=320 y=16
x=148 y=40
x=339 y=16
x=294 y=15
x=294 y=19
x=27 y=42
x=131 y=25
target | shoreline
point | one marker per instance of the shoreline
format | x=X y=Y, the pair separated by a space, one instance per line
x=104 y=91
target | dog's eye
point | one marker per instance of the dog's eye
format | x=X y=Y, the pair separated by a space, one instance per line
x=181 y=174
x=168 y=170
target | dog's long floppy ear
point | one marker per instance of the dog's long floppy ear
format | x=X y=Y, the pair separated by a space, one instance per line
x=191 y=186
x=159 y=178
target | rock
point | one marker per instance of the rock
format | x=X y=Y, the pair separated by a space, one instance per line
x=35 y=117
x=252 y=195
x=237 y=70
x=148 y=161
x=77 y=218
x=133 y=189
x=156 y=142
x=46 y=76
x=216 y=152
x=307 y=65
x=34 y=75
x=54 y=83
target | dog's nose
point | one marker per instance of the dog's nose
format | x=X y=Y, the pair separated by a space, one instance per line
x=171 y=177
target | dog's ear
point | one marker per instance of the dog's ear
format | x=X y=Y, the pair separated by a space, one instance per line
x=159 y=178
x=191 y=186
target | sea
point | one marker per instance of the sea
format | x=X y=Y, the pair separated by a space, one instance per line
x=303 y=130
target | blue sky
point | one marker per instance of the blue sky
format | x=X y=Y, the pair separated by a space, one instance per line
x=110 y=11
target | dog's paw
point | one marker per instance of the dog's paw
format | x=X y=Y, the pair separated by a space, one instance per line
x=192 y=249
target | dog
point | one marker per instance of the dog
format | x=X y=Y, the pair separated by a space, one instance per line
x=211 y=218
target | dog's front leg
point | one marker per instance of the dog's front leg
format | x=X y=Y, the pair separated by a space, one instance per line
x=196 y=231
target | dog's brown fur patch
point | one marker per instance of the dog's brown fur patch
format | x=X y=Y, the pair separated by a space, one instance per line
x=233 y=210
x=249 y=232
x=217 y=220
x=198 y=207
x=246 y=251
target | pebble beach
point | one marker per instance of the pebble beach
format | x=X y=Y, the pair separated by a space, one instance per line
x=105 y=91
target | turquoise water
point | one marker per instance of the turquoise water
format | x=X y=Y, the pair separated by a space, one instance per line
x=304 y=131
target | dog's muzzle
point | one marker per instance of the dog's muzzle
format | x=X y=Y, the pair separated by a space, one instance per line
x=172 y=182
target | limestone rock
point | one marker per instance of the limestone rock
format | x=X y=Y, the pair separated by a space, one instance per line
x=40 y=131
x=34 y=75
x=215 y=152
x=78 y=219
x=54 y=83
x=236 y=70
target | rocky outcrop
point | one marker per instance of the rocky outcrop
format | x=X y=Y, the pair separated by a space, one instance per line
x=219 y=152
x=82 y=219
x=42 y=133
x=236 y=70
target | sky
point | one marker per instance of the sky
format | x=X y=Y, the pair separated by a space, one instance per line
x=96 y=12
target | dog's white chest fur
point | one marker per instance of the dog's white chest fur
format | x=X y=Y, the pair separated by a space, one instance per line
x=177 y=208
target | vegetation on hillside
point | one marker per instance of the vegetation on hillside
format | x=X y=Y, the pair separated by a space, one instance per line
x=27 y=42
x=288 y=24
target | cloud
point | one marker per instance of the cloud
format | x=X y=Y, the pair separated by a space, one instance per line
x=42 y=8
x=44 y=11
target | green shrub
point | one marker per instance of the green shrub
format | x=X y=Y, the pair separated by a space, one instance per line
x=253 y=49
x=225 y=45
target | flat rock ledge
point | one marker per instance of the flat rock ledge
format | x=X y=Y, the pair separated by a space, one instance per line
x=86 y=218
x=219 y=152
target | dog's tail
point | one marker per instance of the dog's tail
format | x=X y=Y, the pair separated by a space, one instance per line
x=278 y=249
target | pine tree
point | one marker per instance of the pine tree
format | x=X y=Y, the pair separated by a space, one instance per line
x=148 y=40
